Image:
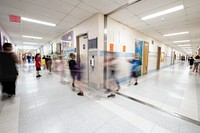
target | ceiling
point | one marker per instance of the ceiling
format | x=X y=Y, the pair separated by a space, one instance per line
x=187 y=19
x=68 y=13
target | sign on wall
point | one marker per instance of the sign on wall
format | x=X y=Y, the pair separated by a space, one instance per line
x=67 y=42
x=138 y=52
x=93 y=43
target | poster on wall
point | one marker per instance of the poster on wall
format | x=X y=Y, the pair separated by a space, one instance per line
x=138 y=52
x=67 y=44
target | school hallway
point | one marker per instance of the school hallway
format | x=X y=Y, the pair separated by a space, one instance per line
x=164 y=101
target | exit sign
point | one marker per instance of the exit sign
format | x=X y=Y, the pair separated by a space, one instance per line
x=16 y=19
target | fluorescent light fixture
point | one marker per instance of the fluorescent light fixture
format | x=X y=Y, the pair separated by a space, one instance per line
x=33 y=37
x=179 y=33
x=184 y=45
x=37 y=21
x=181 y=41
x=29 y=43
x=27 y=47
x=177 y=8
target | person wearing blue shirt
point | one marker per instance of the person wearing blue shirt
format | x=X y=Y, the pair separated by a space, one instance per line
x=135 y=69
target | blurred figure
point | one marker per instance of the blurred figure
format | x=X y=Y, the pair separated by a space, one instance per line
x=79 y=74
x=72 y=67
x=38 y=65
x=135 y=69
x=191 y=62
x=33 y=59
x=43 y=62
x=8 y=70
x=112 y=68
x=61 y=69
x=49 y=63
x=29 y=58
x=196 y=63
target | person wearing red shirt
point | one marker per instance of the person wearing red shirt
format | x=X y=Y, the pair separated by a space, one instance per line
x=38 y=65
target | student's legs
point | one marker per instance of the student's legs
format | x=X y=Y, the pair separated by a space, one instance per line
x=73 y=79
x=80 y=88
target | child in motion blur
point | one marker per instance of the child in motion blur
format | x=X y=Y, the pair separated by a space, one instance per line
x=8 y=70
x=61 y=67
x=75 y=70
x=49 y=63
x=38 y=64
x=135 y=69
x=191 y=62
x=112 y=67
x=196 y=63
x=79 y=74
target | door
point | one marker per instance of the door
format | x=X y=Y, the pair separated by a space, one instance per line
x=82 y=54
x=145 y=58
x=158 y=58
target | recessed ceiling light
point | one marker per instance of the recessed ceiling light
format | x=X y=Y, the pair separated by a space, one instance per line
x=181 y=41
x=37 y=21
x=177 y=8
x=179 y=33
x=184 y=45
x=34 y=37
x=29 y=43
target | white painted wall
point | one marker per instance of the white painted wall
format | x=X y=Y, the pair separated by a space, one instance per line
x=3 y=33
x=94 y=28
x=120 y=35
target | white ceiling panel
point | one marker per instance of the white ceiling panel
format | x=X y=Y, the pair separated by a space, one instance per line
x=9 y=11
x=68 y=13
x=193 y=9
x=40 y=11
x=55 y=5
x=72 y=19
x=161 y=8
x=103 y=6
x=88 y=8
x=189 y=3
x=80 y=13
x=131 y=20
x=167 y=17
x=72 y=2
x=148 y=5
x=122 y=14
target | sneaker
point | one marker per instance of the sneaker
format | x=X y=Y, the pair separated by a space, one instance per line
x=80 y=93
x=107 y=91
x=136 y=83
x=111 y=96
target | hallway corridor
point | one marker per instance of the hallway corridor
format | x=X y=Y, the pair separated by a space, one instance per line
x=164 y=101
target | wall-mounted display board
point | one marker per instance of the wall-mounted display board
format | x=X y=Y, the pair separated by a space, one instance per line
x=67 y=42
x=93 y=44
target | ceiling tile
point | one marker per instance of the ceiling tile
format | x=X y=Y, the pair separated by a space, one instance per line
x=80 y=13
x=55 y=5
x=121 y=15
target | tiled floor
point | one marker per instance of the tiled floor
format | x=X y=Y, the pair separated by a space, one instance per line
x=45 y=105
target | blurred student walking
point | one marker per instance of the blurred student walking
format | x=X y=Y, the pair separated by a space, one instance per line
x=112 y=79
x=38 y=65
x=8 y=70
x=135 y=69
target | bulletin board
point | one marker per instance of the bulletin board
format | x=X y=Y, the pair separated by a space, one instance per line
x=93 y=43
